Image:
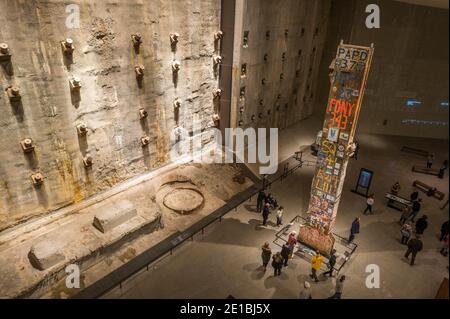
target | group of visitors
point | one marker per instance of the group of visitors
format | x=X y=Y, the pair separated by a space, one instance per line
x=411 y=230
x=266 y=203
x=281 y=258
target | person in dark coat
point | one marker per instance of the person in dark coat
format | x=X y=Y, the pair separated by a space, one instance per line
x=430 y=160
x=416 y=206
x=271 y=201
x=265 y=214
x=354 y=230
x=355 y=155
x=414 y=196
x=443 y=169
x=444 y=230
x=421 y=224
x=260 y=201
x=285 y=252
x=277 y=264
x=266 y=253
x=414 y=246
x=331 y=263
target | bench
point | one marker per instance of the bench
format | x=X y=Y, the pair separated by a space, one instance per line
x=397 y=202
x=425 y=188
x=415 y=151
x=428 y=171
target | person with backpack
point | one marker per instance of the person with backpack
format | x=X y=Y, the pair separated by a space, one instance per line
x=277 y=264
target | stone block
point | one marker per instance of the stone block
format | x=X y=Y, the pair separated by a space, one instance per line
x=45 y=255
x=114 y=215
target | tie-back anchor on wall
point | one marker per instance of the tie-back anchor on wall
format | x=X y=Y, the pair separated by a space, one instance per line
x=68 y=50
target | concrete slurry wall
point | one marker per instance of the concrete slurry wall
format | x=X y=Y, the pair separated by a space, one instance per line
x=109 y=100
x=298 y=30
x=410 y=64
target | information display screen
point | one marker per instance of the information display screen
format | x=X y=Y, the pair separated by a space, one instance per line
x=365 y=177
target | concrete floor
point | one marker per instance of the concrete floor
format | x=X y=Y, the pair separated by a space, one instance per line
x=226 y=260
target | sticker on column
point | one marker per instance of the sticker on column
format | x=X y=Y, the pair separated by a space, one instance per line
x=341 y=151
x=343 y=136
x=333 y=134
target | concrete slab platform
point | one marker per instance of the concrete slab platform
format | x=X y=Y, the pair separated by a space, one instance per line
x=114 y=214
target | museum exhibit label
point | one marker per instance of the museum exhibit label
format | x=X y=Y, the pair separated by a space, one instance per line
x=348 y=76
